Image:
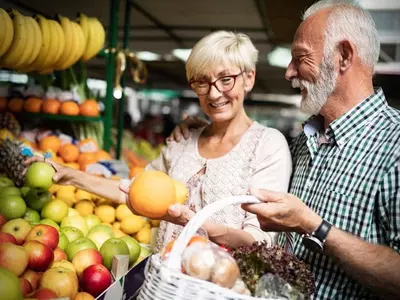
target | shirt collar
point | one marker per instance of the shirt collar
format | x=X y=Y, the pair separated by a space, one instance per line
x=345 y=127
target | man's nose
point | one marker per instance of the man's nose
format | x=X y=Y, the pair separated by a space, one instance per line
x=291 y=71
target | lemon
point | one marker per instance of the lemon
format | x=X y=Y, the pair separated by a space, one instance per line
x=147 y=225
x=107 y=224
x=84 y=207
x=106 y=213
x=155 y=223
x=116 y=225
x=132 y=224
x=181 y=192
x=144 y=235
x=83 y=195
x=68 y=196
x=54 y=188
x=122 y=212
x=118 y=233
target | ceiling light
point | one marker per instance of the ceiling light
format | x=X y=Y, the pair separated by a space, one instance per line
x=148 y=56
x=182 y=54
x=280 y=57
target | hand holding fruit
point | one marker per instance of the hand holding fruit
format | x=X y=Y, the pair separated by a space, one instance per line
x=62 y=175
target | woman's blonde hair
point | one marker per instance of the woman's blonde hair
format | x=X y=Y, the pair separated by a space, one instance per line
x=221 y=47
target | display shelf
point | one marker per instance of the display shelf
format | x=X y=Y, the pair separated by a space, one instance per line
x=59 y=117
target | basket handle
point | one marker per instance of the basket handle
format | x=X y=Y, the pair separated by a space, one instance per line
x=174 y=259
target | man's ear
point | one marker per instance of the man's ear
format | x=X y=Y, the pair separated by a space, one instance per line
x=347 y=55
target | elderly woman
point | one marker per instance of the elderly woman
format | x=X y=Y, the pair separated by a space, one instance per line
x=223 y=158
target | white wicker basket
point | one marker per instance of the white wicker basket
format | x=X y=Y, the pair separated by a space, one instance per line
x=163 y=279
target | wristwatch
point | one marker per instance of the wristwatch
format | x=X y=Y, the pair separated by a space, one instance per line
x=316 y=240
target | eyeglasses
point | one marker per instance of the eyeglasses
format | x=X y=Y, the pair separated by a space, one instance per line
x=223 y=84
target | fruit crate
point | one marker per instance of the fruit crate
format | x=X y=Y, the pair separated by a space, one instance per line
x=126 y=287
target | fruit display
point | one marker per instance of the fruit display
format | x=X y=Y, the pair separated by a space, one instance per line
x=39 y=44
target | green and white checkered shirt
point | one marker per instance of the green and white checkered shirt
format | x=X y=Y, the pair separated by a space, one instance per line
x=350 y=175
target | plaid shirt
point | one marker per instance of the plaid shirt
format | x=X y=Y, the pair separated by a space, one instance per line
x=350 y=175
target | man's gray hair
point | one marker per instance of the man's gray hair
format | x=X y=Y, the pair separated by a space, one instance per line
x=349 y=21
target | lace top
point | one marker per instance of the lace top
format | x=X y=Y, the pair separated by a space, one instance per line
x=260 y=159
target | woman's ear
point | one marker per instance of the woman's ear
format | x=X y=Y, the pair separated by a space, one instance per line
x=249 y=80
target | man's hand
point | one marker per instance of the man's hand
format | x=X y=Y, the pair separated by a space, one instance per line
x=182 y=129
x=63 y=175
x=283 y=212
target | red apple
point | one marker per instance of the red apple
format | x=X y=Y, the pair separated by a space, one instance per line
x=95 y=279
x=45 y=234
x=14 y=258
x=3 y=220
x=33 y=278
x=86 y=258
x=19 y=228
x=59 y=255
x=40 y=255
x=44 y=294
x=7 y=238
x=25 y=285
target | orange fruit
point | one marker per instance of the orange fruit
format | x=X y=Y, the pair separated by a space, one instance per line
x=102 y=155
x=151 y=193
x=51 y=106
x=89 y=108
x=33 y=105
x=16 y=105
x=72 y=165
x=69 y=152
x=50 y=142
x=83 y=296
x=86 y=158
x=135 y=171
x=168 y=247
x=3 y=103
x=69 y=108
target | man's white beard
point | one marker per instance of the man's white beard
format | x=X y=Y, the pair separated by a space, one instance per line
x=318 y=92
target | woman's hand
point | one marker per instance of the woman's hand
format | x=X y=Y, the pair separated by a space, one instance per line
x=182 y=129
x=177 y=213
x=63 y=175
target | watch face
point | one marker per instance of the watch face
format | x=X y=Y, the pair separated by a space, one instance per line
x=312 y=243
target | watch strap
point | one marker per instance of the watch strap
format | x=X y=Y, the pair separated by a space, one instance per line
x=322 y=231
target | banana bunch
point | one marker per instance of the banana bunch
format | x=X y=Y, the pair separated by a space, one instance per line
x=75 y=43
x=26 y=42
x=94 y=34
x=6 y=31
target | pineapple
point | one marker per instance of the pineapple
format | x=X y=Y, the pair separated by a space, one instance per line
x=12 y=162
x=8 y=121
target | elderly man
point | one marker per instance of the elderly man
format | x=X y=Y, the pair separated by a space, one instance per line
x=346 y=162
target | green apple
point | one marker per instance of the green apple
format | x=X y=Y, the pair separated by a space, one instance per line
x=134 y=248
x=39 y=175
x=9 y=286
x=99 y=237
x=113 y=247
x=37 y=198
x=72 y=233
x=24 y=191
x=5 y=181
x=51 y=223
x=144 y=252
x=72 y=212
x=101 y=228
x=55 y=210
x=62 y=241
x=32 y=216
x=9 y=191
x=75 y=221
x=78 y=245
x=12 y=207
x=91 y=221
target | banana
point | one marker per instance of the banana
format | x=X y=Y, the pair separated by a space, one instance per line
x=70 y=44
x=96 y=39
x=80 y=42
x=29 y=45
x=58 y=36
x=18 y=44
x=6 y=31
x=51 y=56
x=37 y=39
x=84 y=24
x=44 y=48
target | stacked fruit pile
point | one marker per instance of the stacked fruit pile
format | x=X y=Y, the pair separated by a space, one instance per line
x=43 y=45
x=58 y=245
x=88 y=108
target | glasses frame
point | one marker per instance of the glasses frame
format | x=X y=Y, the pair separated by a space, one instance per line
x=210 y=84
